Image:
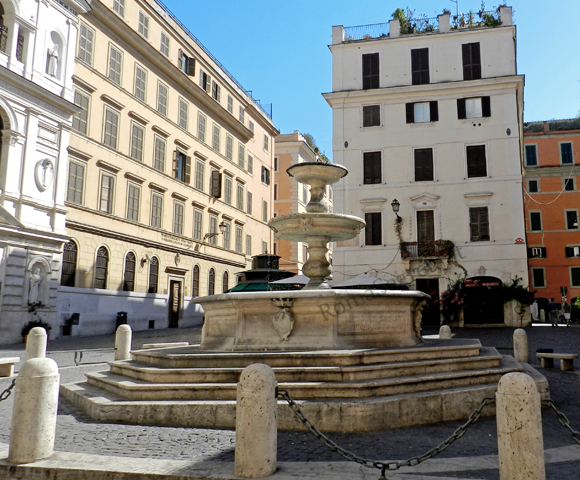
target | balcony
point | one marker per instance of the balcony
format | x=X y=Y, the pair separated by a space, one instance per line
x=434 y=249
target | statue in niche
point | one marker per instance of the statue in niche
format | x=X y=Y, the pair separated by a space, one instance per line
x=283 y=320
x=36 y=279
x=52 y=64
x=417 y=317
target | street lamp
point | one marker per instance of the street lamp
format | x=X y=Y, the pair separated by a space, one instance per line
x=222 y=226
x=396 y=205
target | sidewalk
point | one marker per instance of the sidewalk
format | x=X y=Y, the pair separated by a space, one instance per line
x=210 y=453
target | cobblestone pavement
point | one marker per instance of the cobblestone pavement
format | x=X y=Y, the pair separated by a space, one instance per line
x=76 y=432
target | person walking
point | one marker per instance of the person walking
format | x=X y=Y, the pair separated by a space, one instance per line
x=553 y=312
x=567 y=309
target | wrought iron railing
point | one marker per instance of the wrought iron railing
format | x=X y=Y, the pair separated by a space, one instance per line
x=436 y=248
x=364 y=32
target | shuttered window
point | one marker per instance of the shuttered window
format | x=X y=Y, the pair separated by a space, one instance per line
x=215 y=144
x=241 y=156
x=199 y=174
x=76 y=175
x=140 y=83
x=115 y=63
x=478 y=107
x=178 y=218
x=111 y=128
x=69 y=264
x=535 y=221
x=479 y=224
x=181 y=166
x=471 y=61
x=372 y=167
x=129 y=273
x=81 y=119
x=159 y=154
x=425 y=226
x=153 y=275
x=201 y=121
x=225 y=282
x=195 y=282
x=137 y=133
x=373 y=229
x=239 y=236
x=133 y=201
x=420 y=66
x=107 y=190
x=476 y=163
x=183 y=115
x=370 y=70
x=156 y=210
x=372 y=116
x=101 y=268
x=211 y=282
x=162 y=92
x=229 y=147
x=86 y=44
x=424 y=165
x=197 y=225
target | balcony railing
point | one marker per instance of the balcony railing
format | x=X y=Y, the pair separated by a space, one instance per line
x=436 y=248
x=364 y=32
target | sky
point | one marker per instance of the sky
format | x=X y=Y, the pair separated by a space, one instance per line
x=279 y=50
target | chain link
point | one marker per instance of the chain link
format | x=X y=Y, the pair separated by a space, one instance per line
x=563 y=419
x=6 y=393
x=391 y=466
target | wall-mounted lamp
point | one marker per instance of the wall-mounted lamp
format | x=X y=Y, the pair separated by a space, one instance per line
x=145 y=259
x=222 y=226
x=396 y=205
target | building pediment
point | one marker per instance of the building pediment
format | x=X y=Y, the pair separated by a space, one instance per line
x=425 y=199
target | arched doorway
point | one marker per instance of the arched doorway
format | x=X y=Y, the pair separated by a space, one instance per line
x=483 y=300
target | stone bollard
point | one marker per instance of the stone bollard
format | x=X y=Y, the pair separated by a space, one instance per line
x=519 y=428
x=256 y=422
x=123 y=339
x=445 y=332
x=34 y=414
x=543 y=316
x=521 y=345
x=36 y=343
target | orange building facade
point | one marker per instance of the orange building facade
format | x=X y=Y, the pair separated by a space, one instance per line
x=552 y=204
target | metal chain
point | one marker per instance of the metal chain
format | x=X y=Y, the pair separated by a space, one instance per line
x=563 y=419
x=411 y=462
x=6 y=393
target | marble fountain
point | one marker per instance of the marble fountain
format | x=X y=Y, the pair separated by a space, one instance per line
x=355 y=360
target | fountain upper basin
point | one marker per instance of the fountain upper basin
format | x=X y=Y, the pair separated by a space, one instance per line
x=299 y=226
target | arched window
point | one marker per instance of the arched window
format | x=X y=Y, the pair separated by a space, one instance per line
x=3 y=31
x=129 y=274
x=69 y=264
x=225 y=282
x=101 y=268
x=195 y=282
x=153 y=275
x=211 y=282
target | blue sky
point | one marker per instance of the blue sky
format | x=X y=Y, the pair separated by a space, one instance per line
x=279 y=50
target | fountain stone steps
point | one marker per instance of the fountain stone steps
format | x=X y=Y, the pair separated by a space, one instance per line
x=489 y=358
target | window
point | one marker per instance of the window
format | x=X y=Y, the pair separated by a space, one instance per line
x=264 y=247
x=119 y=7
x=211 y=282
x=249 y=203
x=473 y=107
x=76 y=176
x=140 y=83
x=159 y=154
x=197 y=225
x=372 y=116
x=129 y=273
x=216 y=138
x=178 y=208
x=182 y=166
x=183 y=113
x=115 y=62
x=373 y=229
x=20 y=45
x=420 y=66
x=195 y=282
x=372 y=167
x=425 y=226
x=422 y=112
x=370 y=71
x=199 y=173
x=266 y=142
x=575 y=276
x=153 y=275
x=101 y=268
x=111 y=127
x=250 y=164
x=229 y=147
x=201 y=121
x=164 y=47
x=533 y=186
x=156 y=210
x=538 y=278
x=265 y=175
x=228 y=190
x=86 y=44
x=186 y=64
x=81 y=119
x=241 y=115
x=248 y=245
x=216 y=91
x=213 y=230
x=225 y=282
x=69 y=264
x=205 y=81
x=133 y=200
x=162 y=92
x=424 y=165
x=241 y=156
x=276 y=164
x=537 y=252
x=251 y=126
x=471 y=61
x=137 y=133
x=569 y=184
x=107 y=191
x=476 y=163
x=572 y=219
x=227 y=235
x=531 y=156
x=143 y=27
x=275 y=191
x=535 y=221
x=479 y=224
x=265 y=211
x=230 y=104
x=216 y=184
x=240 y=197
x=572 y=252
x=566 y=157
x=239 y=236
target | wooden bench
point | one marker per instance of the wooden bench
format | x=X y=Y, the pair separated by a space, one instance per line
x=566 y=360
x=7 y=366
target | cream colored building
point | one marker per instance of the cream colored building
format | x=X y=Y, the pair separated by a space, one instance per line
x=37 y=45
x=167 y=152
x=433 y=120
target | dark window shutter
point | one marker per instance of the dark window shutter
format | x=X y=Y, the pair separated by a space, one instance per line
x=180 y=59
x=479 y=224
x=530 y=254
x=372 y=116
x=424 y=165
x=544 y=252
x=471 y=61
x=569 y=252
x=174 y=168
x=420 y=66
x=373 y=229
x=372 y=167
x=370 y=67
x=216 y=184
x=483 y=223
x=425 y=226
x=461 y=108
x=485 y=107
x=190 y=66
x=410 y=110
x=187 y=176
x=476 y=165
x=434 y=111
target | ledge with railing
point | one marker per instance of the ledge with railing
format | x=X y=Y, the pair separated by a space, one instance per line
x=433 y=249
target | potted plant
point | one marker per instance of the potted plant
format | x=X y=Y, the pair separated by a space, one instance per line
x=34 y=323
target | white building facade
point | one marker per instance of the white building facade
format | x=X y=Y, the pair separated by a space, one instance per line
x=37 y=44
x=433 y=120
